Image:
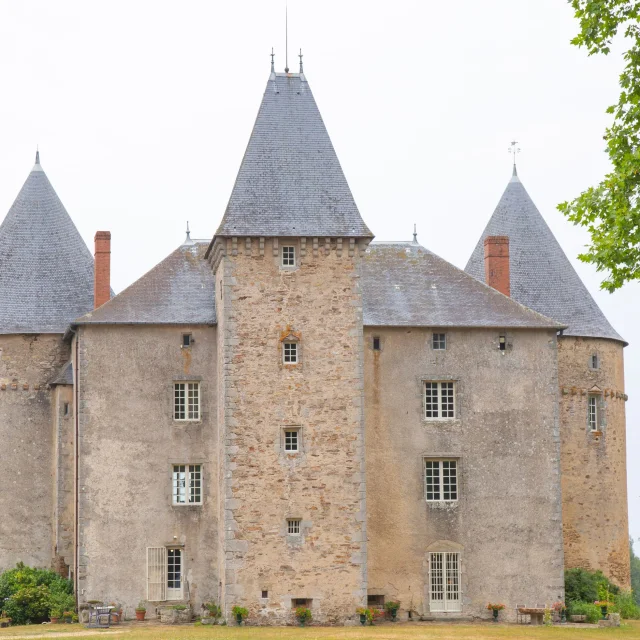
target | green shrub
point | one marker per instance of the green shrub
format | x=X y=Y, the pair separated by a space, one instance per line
x=588 y=609
x=624 y=604
x=581 y=585
x=27 y=593
x=59 y=603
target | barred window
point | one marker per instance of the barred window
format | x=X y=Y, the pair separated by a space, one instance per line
x=293 y=527
x=292 y=440
x=187 y=484
x=439 y=400
x=439 y=341
x=594 y=413
x=290 y=352
x=441 y=480
x=186 y=405
x=288 y=256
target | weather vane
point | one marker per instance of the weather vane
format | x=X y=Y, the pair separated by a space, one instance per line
x=272 y=61
x=514 y=150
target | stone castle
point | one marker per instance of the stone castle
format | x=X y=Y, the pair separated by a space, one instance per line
x=292 y=414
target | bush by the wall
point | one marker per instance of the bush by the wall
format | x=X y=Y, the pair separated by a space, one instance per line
x=28 y=593
x=592 y=611
x=625 y=604
x=581 y=585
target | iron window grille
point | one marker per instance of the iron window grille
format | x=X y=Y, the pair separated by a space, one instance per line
x=439 y=400
x=187 y=484
x=292 y=440
x=290 y=352
x=293 y=527
x=288 y=256
x=439 y=341
x=186 y=401
x=441 y=480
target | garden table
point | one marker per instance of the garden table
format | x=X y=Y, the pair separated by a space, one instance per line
x=536 y=613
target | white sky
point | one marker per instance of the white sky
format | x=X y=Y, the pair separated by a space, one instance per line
x=142 y=110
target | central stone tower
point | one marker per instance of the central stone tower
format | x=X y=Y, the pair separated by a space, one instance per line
x=286 y=259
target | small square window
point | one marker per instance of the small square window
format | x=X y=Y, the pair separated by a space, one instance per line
x=439 y=341
x=292 y=440
x=186 y=340
x=288 y=256
x=293 y=527
x=301 y=602
x=265 y=593
x=376 y=343
x=290 y=352
x=187 y=484
x=186 y=401
x=594 y=361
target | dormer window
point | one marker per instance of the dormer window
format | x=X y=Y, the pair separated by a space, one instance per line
x=288 y=256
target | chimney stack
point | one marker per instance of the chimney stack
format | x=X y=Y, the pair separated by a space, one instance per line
x=496 y=263
x=102 y=269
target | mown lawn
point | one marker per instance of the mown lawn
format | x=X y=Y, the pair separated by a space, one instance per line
x=414 y=631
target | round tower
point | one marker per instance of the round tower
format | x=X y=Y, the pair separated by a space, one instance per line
x=46 y=280
x=591 y=380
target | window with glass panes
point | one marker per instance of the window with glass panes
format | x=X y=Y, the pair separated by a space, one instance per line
x=292 y=440
x=441 y=480
x=187 y=484
x=439 y=341
x=288 y=256
x=186 y=401
x=439 y=400
x=594 y=413
x=290 y=352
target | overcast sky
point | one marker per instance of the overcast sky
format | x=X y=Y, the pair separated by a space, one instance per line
x=142 y=110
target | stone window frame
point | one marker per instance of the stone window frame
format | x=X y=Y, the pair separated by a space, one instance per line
x=188 y=492
x=438 y=341
x=441 y=477
x=186 y=381
x=439 y=380
x=289 y=336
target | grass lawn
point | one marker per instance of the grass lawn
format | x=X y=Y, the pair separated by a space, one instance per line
x=414 y=631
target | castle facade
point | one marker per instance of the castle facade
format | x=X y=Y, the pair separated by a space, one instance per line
x=292 y=414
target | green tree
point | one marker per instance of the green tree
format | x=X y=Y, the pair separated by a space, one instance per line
x=611 y=210
x=635 y=573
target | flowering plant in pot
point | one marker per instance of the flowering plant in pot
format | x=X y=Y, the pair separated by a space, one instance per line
x=603 y=604
x=561 y=609
x=141 y=611
x=240 y=613
x=391 y=607
x=496 y=608
x=303 y=614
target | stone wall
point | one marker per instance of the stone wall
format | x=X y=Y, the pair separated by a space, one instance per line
x=506 y=524
x=318 y=304
x=27 y=364
x=594 y=472
x=128 y=442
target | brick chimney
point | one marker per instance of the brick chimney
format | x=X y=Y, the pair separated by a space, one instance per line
x=496 y=263
x=102 y=269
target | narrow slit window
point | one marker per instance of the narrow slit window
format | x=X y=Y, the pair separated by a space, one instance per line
x=439 y=400
x=290 y=352
x=186 y=340
x=265 y=594
x=376 y=343
x=66 y=408
x=439 y=341
x=503 y=343
x=186 y=401
x=595 y=361
x=293 y=527
x=288 y=256
x=594 y=412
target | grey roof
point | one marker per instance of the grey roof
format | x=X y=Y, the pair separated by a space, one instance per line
x=46 y=269
x=65 y=375
x=178 y=290
x=542 y=277
x=404 y=284
x=290 y=181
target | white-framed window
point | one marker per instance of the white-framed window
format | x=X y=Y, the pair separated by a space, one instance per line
x=440 y=480
x=187 y=484
x=593 y=415
x=439 y=341
x=292 y=439
x=444 y=582
x=439 y=400
x=186 y=401
x=293 y=526
x=288 y=256
x=290 y=352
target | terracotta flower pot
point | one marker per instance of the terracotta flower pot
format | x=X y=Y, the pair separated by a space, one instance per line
x=140 y=615
x=55 y=620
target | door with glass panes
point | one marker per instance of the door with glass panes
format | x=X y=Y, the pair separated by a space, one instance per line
x=444 y=582
x=174 y=574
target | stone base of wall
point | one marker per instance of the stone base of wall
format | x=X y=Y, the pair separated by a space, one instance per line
x=169 y=615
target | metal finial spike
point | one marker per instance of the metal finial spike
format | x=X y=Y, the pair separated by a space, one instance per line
x=415 y=234
x=188 y=239
x=37 y=156
x=273 y=69
x=300 y=56
x=286 y=39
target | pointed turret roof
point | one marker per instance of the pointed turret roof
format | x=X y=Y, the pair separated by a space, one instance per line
x=542 y=277
x=46 y=269
x=290 y=181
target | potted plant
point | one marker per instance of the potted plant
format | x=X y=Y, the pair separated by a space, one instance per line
x=141 y=610
x=362 y=612
x=561 y=609
x=496 y=608
x=67 y=616
x=55 y=614
x=391 y=608
x=240 y=613
x=303 y=614
x=214 y=610
x=603 y=604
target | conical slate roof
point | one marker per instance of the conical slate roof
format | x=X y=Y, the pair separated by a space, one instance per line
x=46 y=269
x=542 y=277
x=290 y=181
